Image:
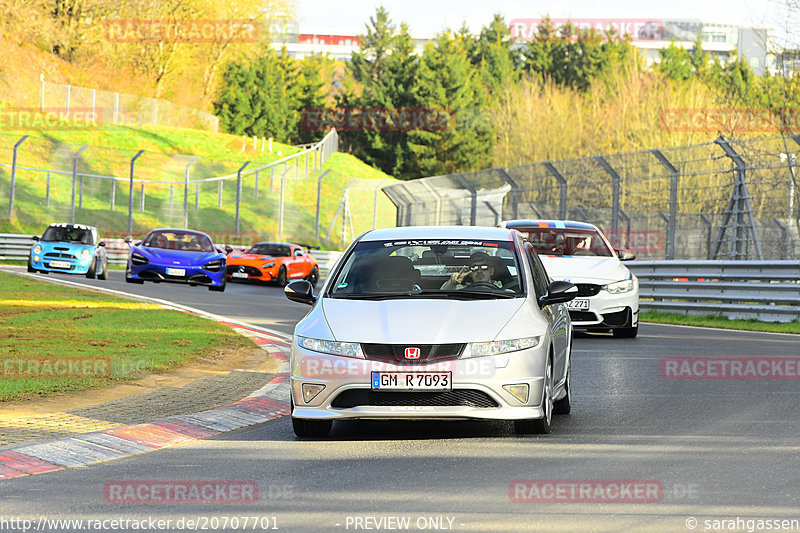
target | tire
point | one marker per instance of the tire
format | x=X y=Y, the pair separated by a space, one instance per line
x=309 y=428
x=564 y=405
x=30 y=266
x=313 y=277
x=282 y=276
x=136 y=281
x=91 y=273
x=540 y=426
x=104 y=274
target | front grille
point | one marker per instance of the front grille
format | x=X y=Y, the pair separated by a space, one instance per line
x=395 y=353
x=56 y=255
x=453 y=398
x=249 y=270
x=587 y=289
x=582 y=316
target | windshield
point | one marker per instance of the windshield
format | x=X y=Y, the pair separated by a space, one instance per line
x=179 y=240
x=567 y=241
x=411 y=268
x=270 y=248
x=72 y=234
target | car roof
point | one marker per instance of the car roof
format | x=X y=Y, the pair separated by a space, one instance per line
x=539 y=223
x=178 y=230
x=276 y=242
x=70 y=225
x=439 y=232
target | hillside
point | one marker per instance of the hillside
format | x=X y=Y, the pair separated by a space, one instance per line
x=161 y=169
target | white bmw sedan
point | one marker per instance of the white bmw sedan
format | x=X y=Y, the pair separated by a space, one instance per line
x=608 y=293
x=433 y=323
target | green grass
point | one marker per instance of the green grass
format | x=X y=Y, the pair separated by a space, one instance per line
x=45 y=322
x=712 y=321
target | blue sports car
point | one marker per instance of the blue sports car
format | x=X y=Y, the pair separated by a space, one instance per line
x=69 y=248
x=176 y=256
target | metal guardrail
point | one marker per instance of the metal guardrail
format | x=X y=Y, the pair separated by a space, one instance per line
x=15 y=247
x=764 y=290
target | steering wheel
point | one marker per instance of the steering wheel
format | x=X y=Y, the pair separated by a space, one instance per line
x=482 y=285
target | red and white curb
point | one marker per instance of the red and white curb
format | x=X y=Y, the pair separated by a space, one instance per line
x=268 y=403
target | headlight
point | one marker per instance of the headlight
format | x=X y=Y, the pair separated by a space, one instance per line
x=480 y=349
x=138 y=259
x=268 y=265
x=86 y=254
x=618 y=287
x=345 y=349
x=37 y=249
x=213 y=266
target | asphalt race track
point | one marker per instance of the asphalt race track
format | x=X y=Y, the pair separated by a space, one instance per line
x=719 y=455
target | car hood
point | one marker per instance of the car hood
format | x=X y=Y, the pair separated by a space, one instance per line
x=178 y=258
x=581 y=269
x=417 y=320
x=250 y=257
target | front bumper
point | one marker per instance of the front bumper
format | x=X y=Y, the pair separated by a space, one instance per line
x=192 y=275
x=607 y=310
x=248 y=272
x=477 y=388
x=71 y=265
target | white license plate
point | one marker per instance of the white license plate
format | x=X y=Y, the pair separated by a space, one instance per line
x=578 y=304
x=412 y=381
x=239 y=275
x=60 y=264
x=176 y=272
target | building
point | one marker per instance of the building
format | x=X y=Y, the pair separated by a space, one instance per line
x=649 y=35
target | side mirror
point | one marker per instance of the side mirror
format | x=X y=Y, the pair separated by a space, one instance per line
x=228 y=248
x=102 y=243
x=300 y=291
x=625 y=254
x=128 y=240
x=558 y=292
x=36 y=238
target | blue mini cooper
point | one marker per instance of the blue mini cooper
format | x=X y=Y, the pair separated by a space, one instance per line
x=69 y=248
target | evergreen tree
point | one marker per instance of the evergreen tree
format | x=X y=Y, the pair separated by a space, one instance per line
x=450 y=83
x=494 y=56
x=676 y=62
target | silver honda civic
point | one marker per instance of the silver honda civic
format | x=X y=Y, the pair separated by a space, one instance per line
x=433 y=323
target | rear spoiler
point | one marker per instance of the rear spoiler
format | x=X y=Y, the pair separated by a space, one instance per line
x=308 y=246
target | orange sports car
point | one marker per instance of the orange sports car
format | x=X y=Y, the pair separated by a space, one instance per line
x=273 y=261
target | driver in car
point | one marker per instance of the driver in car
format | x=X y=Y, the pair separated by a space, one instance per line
x=479 y=270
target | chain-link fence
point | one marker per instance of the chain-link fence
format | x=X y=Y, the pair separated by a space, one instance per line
x=131 y=191
x=718 y=200
x=118 y=108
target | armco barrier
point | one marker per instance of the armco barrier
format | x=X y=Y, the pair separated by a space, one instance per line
x=764 y=290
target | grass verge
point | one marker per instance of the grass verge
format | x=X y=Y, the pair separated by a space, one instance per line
x=49 y=334
x=713 y=321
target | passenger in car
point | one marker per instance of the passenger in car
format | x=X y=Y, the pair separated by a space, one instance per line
x=479 y=270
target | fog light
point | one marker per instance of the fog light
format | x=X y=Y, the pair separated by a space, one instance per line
x=310 y=391
x=520 y=392
x=36 y=258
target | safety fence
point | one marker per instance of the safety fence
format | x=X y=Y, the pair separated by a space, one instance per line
x=764 y=290
x=126 y=192
x=718 y=200
x=118 y=108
